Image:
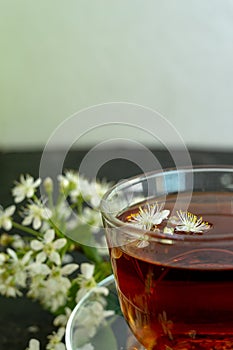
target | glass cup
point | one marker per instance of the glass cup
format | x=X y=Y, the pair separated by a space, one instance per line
x=170 y=238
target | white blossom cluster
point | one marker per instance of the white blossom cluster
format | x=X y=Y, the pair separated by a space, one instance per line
x=39 y=262
x=151 y=215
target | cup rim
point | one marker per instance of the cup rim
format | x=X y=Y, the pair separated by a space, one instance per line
x=120 y=225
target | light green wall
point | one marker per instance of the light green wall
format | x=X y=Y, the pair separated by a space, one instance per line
x=59 y=56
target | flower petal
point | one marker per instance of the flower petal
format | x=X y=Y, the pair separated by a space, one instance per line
x=10 y=210
x=46 y=213
x=101 y=290
x=34 y=344
x=26 y=257
x=19 y=199
x=59 y=243
x=39 y=269
x=36 y=223
x=36 y=245
x=87 y=270
x=68 y=269
x=37 y=182
x=60 y=346
x=30 y=192
x=7 y=224
x=41 y=257
x=27 y=221
x=55 y=257
x=49 y=236
x=12 y=254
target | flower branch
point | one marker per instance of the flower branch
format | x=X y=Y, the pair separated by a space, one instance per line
x=36 y=257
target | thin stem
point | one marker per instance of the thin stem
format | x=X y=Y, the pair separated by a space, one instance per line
x=50 y=200
x=26 y=229
x=62 y=196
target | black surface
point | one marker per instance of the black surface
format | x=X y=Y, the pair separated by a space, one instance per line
x=16 y=316
x=21 y=320
x=12 y=164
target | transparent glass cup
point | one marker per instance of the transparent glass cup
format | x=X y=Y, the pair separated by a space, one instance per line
x=170 y=238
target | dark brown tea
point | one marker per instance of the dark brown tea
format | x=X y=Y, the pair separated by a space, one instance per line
x=179 y=296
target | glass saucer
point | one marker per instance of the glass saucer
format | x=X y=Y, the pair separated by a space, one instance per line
x=87 y=331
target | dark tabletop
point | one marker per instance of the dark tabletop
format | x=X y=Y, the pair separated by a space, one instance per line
x=18 y=315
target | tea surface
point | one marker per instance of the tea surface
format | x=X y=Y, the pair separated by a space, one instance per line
x=176 y=298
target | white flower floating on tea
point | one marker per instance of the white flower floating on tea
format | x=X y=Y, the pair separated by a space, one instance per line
x=152 y=217
x=188 y=222
x=149 y=217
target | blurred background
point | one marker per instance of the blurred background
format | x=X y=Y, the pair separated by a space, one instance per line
x=59 y=57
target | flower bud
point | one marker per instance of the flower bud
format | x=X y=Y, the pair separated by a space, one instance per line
x=48 y=185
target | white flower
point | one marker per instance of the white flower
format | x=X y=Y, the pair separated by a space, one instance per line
x=92 y=315
x=38 y=269
x=47 y=247
x=25 y=188
x=8 y=288
x=87 y=282
x=82 y=189
x=188 y=222
x=150 y=216
x=87 y=270
x=91 y=191
x=76 y=186
x=35 y=213
x=18 y=242
x=67 y=258
x=69 y=181
x=98 y=189
x=68 y=269
x=62 y=319
x=55 y=340
x=36 y=287
x=48 y=185
x=53 y=291
x=63 y=211
x=13 y=273
x=5 y=217
x=92 y=218
x=19 y=266
x=3 y=258
x=34 y=344
x=49 y=286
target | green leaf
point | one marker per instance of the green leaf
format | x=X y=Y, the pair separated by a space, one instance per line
x=92 y=253
x=86 y=240
x=82 y=234
x=102 y=270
